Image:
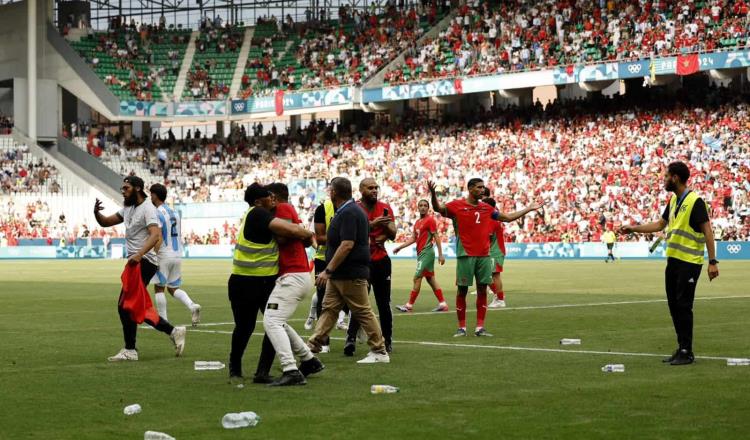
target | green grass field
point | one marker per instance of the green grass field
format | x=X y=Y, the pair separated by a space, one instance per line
x=59 y=323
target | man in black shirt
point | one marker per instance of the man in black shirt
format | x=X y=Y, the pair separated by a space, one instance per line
x=254 y=274
x=346 y=273
x=688 y=233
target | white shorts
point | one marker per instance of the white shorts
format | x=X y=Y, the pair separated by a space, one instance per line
x=169 y=273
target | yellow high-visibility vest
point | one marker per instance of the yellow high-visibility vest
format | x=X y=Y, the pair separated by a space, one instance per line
x=320 y=253
x=683 y=242
x=254 y=259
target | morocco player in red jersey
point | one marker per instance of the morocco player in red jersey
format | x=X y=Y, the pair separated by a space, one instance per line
x=497 y=252
x=425 y=236
x=473 y=221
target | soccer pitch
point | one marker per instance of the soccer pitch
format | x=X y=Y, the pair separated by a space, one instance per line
x=59 y=323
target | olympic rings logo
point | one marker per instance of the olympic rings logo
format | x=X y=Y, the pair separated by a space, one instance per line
x=734 y=248
x=634 y=68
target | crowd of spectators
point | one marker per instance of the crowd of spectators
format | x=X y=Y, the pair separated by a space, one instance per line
x=488 y=37
x=333 y=53
x=21 y=173
x=594 y=164
x=216 y=50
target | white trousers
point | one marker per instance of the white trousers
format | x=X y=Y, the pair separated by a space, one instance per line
x=290 y=290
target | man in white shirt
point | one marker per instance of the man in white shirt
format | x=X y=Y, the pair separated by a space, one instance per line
x=141 y=237
x=169 y=275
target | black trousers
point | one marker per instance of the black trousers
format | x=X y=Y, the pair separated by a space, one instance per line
x=129 y=327
x=680 y=279
x=380 y=281
x=248 y=296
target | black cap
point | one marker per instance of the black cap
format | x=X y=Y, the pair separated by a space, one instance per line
x=256 y=191
x=136 y=182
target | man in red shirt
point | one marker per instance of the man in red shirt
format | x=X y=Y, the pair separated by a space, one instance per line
x=292 y=285
x=425 y=235
x=473 y=221
x=382 y=227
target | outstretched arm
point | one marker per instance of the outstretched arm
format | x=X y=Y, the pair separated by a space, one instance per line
x=648 y=228
x=518 y=214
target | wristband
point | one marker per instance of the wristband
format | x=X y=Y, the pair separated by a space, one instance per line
x=713 y=261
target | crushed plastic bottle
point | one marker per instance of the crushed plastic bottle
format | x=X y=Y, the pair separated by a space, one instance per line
x=383 y=389
x=132 y=409
x=208 y=365
x=156 y=435
x=569 y=341
x=738 y=362
x=239 y=420
x=613 y=368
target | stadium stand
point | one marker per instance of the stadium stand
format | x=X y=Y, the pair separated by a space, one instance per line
x=217 y=50
x=509 y=36
x=602 y=166
x=140 y=64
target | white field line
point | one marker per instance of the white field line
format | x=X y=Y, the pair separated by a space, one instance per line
x=508 y=309
x=508 y=347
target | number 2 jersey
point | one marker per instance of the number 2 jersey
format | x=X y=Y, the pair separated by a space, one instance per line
x=473 y=225
x=171 y=234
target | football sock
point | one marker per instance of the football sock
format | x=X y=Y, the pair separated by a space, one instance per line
x=413 y=297
x=481 y=308
x=314 y=307
x=184 y=298
x=439 y=296
x=461 y=310
x=161 y=304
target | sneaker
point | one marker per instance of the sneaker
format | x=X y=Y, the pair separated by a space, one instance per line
x=361 y=336
x=289 y=378
x=342 y=325
x=405 y=308
x=671 y=357
x=178 y=339
x=460 y=332
x=683 y=357
x=325 y=349
x=441 y=308
x=497 y=303
x=309 y=323
x=196 y=314
x=311 y=366
x=263 y=378
x=375 y=358
x=481 y=332
x=124 y=355
x=350 y=347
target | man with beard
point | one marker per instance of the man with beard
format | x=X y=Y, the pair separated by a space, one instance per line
x=425 y=236
x=688 y=233
x=382 y=227
x=141 y=236
x=255 y=267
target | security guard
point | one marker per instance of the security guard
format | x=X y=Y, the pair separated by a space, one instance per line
x=255 y=267
x=609 y=238
x=688 y=232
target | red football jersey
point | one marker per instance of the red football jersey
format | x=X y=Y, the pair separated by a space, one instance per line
x=425 y=230
x=377 y=250
x=292 y=255
x=499 y=231
x=473 y=224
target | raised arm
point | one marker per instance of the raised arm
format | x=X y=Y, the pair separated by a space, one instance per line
x=105 y=221
x=436 y=206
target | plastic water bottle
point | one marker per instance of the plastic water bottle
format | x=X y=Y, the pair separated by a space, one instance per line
x=738 y=362
x=132 y=409
x=240 y=420
x=383 y=389
x=208 y=365
x=156 y=435
x=613 y=368
x=568 y=341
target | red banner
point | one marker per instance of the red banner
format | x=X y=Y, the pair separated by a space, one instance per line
x=687 y=64
x=279 y=102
